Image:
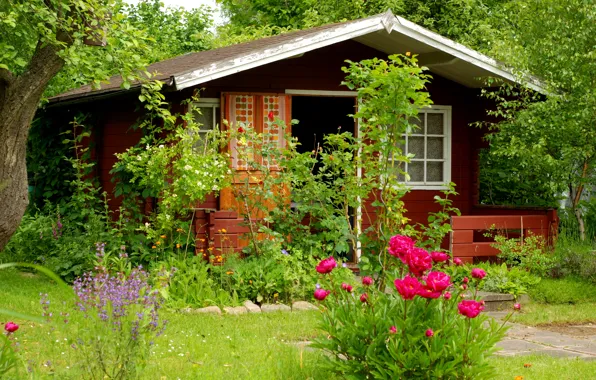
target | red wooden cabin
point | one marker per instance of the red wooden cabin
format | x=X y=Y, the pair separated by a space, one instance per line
x=298 y=76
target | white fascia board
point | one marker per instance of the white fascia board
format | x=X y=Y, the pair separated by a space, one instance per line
x=299 y=46
x=457 y=50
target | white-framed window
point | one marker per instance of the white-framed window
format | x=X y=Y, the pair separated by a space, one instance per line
x=209 y=118
x=430 y=145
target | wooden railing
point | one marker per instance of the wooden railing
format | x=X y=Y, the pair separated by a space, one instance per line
x=468 y=244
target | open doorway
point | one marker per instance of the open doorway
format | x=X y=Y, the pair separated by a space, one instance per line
x=319 y=116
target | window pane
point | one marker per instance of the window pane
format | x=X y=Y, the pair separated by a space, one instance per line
x=416 y=146
x=434 y=172
x=434 y=124
x=434 y=147
x=416 y=171
x=205 y=118
x=419 y=122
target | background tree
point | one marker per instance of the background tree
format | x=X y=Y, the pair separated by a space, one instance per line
x=38 y=38
x=468 y=21
x=552 y=137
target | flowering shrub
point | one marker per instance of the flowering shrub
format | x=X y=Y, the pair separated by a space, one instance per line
x=122 y=314
x=426 y=326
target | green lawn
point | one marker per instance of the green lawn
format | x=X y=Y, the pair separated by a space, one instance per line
x=256 y=346
x=535 y=314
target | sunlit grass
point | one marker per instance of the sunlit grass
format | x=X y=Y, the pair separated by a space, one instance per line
x=253 y=346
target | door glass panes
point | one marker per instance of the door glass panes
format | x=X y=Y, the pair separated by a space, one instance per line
x=427 y=143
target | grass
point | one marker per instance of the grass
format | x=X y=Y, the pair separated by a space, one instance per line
x=543 y=368
x=254 y=346
x=535 y=314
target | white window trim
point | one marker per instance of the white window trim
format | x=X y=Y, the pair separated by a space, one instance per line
x=446 y=110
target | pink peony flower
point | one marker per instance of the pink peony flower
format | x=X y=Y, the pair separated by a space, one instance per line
x=399 y=246
x=408 y=287
x=439 y=257
x=366 y=281
x=347 y=287
x=11 y=327
x=321 y=294
x=419 y=261
x=470 y=308
x=426 y=292
x=429 y=333
x=478 y=273
x=364 y=297
x=393 y=330
x=326 y=265
x=438 y=281
x=457 y=261
x=465 y=280
x=447 y=295
x=517 y=307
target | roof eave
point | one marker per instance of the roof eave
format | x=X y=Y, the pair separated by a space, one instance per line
x=286 y=50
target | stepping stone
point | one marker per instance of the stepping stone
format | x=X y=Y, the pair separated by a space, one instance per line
x=303 y=305
x=269 y=308
x=235 y=310
x=252 y=307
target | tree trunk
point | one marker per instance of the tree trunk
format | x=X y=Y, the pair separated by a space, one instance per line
x=19 y=99
x=577 y=198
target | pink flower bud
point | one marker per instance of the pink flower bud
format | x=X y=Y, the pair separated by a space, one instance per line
x=517 y=307
x=465 y=280
x=429 y=333
x=447 y=295
x=347 y=287
x=478 y=273
x=11 y=327
x=367 y=281
x=457 y=261
x=393 y=330
x=321 y=294
x=364 y=297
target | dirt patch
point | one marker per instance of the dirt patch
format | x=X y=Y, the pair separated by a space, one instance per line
x=575 y=330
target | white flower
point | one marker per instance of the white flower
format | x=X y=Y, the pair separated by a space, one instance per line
x=187 y=167
x=161 y=146
x=147 y=224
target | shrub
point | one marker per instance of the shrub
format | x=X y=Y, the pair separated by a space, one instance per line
x=500 y=278
x=528 y=253
x=422 y=328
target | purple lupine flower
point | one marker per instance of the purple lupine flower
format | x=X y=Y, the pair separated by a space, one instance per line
x=127 y=303
x=318 y=286
x=284 y=252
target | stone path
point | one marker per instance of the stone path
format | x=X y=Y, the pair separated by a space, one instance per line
x=526 y=340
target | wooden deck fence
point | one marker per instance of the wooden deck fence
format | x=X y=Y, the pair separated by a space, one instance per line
x=468 y=244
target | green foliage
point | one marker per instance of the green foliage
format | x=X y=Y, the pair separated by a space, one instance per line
x=528 y=253
x=166 y=162
x=567 y=290
x=173 y=30
x=360 y=344
x=8 y=358
x=190 y=283
x=502 y=279
x=273 y=276
x=471 y=22
x=506 y=182
x=548 y=138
